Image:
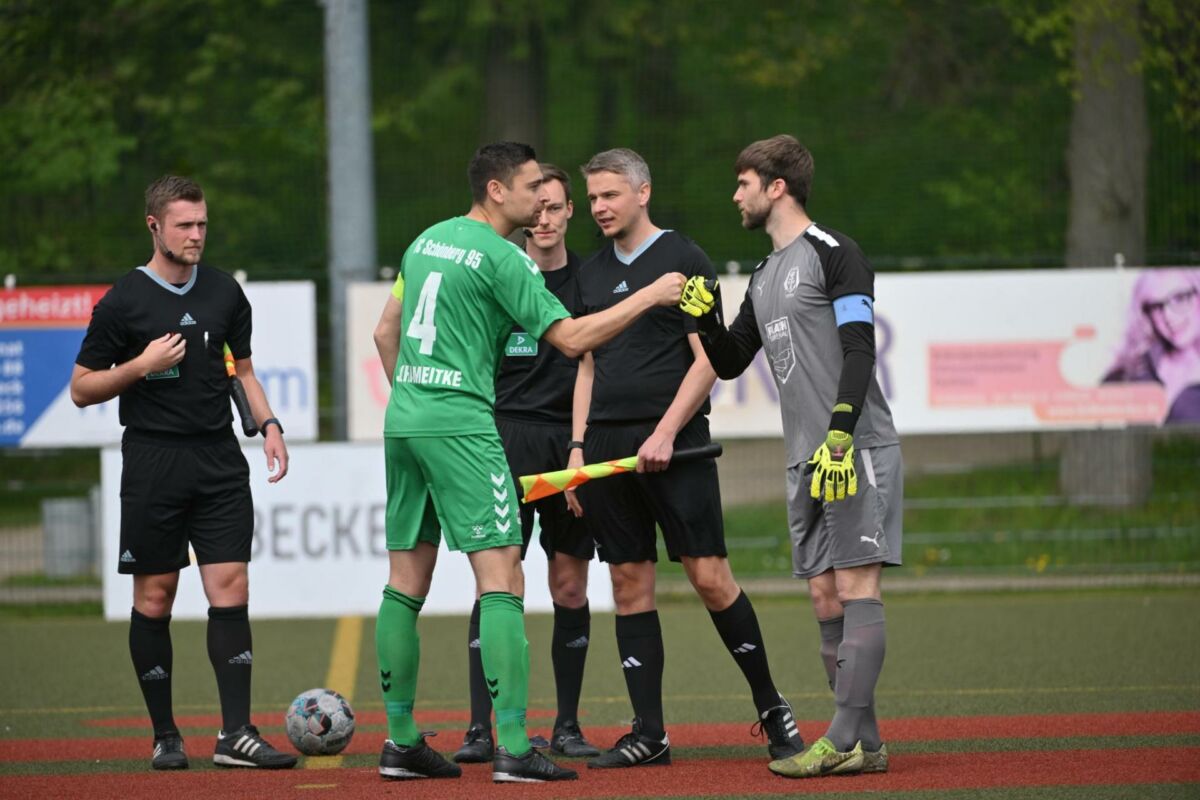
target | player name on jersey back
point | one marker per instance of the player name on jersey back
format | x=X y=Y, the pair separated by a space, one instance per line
x=429 y=376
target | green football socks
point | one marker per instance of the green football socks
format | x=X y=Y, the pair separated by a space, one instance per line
x=398 y=648
x=505 y=655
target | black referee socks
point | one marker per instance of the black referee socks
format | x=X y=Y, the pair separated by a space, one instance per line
x=481 y=701
x=230 y=652
x=568 y=652
x=150 y=650
x=640 y=645
x=738 y=626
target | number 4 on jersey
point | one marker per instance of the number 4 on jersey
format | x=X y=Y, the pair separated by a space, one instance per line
x=422 y=327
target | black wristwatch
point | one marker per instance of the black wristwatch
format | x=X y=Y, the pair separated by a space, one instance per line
x=574 y=443
x=270 y=421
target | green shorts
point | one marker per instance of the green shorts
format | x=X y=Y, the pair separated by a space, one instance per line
x=462 y=483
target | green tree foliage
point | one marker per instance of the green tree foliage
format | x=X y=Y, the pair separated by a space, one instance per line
x=939 y=128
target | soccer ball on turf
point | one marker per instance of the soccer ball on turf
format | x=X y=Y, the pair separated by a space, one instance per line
x=320 y=722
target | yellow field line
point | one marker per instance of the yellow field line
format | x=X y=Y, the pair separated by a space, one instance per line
x=342 y=675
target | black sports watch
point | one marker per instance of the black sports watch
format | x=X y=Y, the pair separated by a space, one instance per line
x=270 y=421
x=574 y=443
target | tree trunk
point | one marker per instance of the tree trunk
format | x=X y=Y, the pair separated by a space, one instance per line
x=515 y=84
x=1110 y=140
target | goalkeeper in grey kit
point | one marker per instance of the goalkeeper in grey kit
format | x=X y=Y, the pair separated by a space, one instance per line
x=810 y=307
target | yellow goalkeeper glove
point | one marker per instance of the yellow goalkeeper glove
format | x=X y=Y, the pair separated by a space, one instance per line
x=832 y=468
x=698 y=296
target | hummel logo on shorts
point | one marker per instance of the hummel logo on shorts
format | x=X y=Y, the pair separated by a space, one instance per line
x=746 y=647
x=186 y=319
x=621 y=287
x=243 y=657
x=630 y=663
x=127 y=557
x=872 y=539
x=156 y=674
x=582 y=641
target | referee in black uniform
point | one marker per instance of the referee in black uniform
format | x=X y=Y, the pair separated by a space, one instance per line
x=534 y=389
x=156 y=340
x=646 y=392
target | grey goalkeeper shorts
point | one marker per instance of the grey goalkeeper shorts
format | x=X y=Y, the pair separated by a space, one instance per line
x=864 y=529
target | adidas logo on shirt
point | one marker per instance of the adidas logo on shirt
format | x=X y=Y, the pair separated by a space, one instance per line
x=630 y=663
x=746 y=647
x=582 y=641
x=127 y=557
x=186 y=319
x=243 y=657
x=156 y=674
x=621 y=287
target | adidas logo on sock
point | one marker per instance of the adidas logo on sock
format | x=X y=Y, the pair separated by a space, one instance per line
x=745 y=647
x=621 y=287
x=156 y=674
x=243 y=657
x=582 y=641
x=127 y=557
x=474 y=644
x=630 y=663
x=186 y=319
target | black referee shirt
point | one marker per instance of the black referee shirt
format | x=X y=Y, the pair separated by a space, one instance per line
x=639 y=371
x=209 y=310
x=536 y=382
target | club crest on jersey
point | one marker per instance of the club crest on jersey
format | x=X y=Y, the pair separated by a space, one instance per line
x=792 y=280
x=779 y=348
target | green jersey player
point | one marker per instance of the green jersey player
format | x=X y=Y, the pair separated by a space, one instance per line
x=461 y=288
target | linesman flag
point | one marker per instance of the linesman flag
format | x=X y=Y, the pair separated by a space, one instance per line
x=544 y=484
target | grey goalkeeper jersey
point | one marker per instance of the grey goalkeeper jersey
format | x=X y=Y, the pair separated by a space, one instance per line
x=789 y=312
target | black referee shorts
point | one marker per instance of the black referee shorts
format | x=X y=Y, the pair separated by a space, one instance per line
x=181 y=490
x=684 y=501
x=533 y=447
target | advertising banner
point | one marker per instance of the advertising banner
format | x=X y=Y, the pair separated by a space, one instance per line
x=961 y=352
x=319 y=544
x=41 y=329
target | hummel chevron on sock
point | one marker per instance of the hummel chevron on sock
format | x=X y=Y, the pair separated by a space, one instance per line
x=505 y=655
x=738 y=626
x=231 y=653
x=481 y=701
x=831 y=639
x=150 y=650
x=640 y=645
x=568 y=652
x=398 y=651
x=860 y=660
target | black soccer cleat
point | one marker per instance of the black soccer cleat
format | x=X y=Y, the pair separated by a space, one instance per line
x=533 y=767
x=567 y=740
x=245 y=748
x=168 y=753
x=779 y=724
x=477 y=746
x=635 y=750
x=399 y=763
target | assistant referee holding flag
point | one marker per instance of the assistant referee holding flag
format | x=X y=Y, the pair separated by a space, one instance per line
x=157 y=341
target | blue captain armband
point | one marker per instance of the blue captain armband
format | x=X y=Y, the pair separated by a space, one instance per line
x=854 y=308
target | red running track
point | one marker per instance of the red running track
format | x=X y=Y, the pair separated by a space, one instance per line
x=1048 y=726
x=1125 y=766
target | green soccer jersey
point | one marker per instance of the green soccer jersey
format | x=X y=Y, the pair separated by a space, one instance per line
x=462 y=286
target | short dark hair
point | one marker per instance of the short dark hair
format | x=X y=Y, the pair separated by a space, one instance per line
x=498 y=161
x=553 y=173
x=167 y=190
x=783 y=157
